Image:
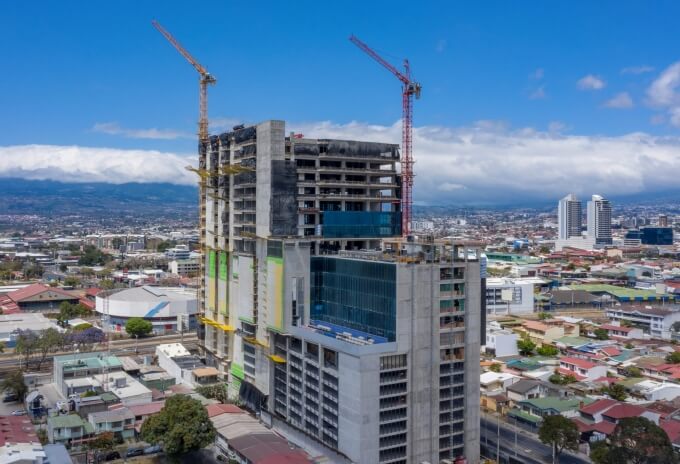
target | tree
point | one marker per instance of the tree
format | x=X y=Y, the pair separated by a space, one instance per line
x=601 y=334
x=106 y=284
x=526 y=346
x=676 y=326
x=629 y=346
x=92 y=256
x=181 y=426
x=495 y=367
x=71 y=281
x=165 y=245
x=138 y=327
x=632 y=371
x=26 y=345
x=636 y=440
x=547 y=350
x=559 y=379
x=217 y=392
x=673 y=358
x=85 y=339
x=2 y=346
x=49 y=341
x=14 y=383
x=543 y=315
x=103 y=441
x=617 y=392
x=560 y=433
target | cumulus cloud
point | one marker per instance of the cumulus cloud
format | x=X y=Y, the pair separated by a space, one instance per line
x=637 y=70
x=113 y=128
x=498 y=164
x=485 y=162
x=663 y=92
x=591 y=82
x=620 y=101
x=86 y=164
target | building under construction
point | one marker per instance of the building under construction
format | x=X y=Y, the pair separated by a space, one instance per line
x=320 y=315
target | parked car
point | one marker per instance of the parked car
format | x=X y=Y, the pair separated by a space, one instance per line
x=152 y=449
x=19 y=412
x=112 y=455
x=134 y=452
x=10 y=398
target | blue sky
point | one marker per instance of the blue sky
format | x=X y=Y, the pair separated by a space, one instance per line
x=95 y=74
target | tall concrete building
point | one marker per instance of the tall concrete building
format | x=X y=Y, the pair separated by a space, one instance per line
x=600 y=220
x=341 y=334
x=569 y=217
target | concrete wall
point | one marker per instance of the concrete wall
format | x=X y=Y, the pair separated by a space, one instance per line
x=473 y=330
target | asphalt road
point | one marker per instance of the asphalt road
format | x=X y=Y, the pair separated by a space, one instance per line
x=529 y=448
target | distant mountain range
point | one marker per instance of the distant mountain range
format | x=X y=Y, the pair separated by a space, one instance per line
x=44 y=197
x=20 y=196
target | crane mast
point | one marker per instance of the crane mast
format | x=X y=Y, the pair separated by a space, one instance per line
x=409 y=89
x=205 y=79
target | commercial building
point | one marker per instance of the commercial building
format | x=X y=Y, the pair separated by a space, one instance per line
x=569 y=217
x=184 y=267
x=11 y=324
x=162 y=306
x=650 y=236
x=37 y=297
x=335 y=331
x=600 y=220
x=500 y=342
x=510 y=296
x=656 y=321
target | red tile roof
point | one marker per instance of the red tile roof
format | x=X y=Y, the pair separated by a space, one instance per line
x=92 y=291
x=219 y=408
x=616 y=327
x=622 y=410
x=672 y=429
x=36 y=289
x=611 y=351
x=598 y=406
x=17 y=429
x=576 y=375
x=582 y=363
x=147 y=409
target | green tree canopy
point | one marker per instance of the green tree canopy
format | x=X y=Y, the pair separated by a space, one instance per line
x=543 y=315
x=495 y=367
x=560 y=433
x=182 y=426
x=217 y=392
x=617 y=392
x=601 y=334
x=547 y=350
x=525 y=346
x=49 y=341
x=136 y=326
x=673 y=358
x=636 y=440
x=14 y=383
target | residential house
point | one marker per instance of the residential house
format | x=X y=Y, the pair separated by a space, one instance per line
x=500 y=342
x=621 y=332
x=541 y=333
x=496 y=381
x=19 y=444
x=581 y=369
x=120 y=422
x=532 y=412
x=652 y=390
x=68 y=429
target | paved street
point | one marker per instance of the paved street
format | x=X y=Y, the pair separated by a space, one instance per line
x=529 y=449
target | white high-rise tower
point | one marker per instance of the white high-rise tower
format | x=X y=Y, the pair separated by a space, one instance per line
x=569 y=217
x=600 y=220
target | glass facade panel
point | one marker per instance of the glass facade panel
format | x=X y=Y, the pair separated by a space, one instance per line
x=349 y=224
x=357 y=294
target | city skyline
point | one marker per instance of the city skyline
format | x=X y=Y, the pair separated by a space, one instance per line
x=122 y=107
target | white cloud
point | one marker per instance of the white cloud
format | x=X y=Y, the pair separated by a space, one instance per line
x=87 y=164
x=113 y=128
x=485 y=162
x=498 y=164
x=555 y=127
x=663 y=92
x=538 y=94
x=537 y=74
x=591 y=82
x=637 y=70
x=620 y=101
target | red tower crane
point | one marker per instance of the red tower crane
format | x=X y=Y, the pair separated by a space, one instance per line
x=409 y=89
